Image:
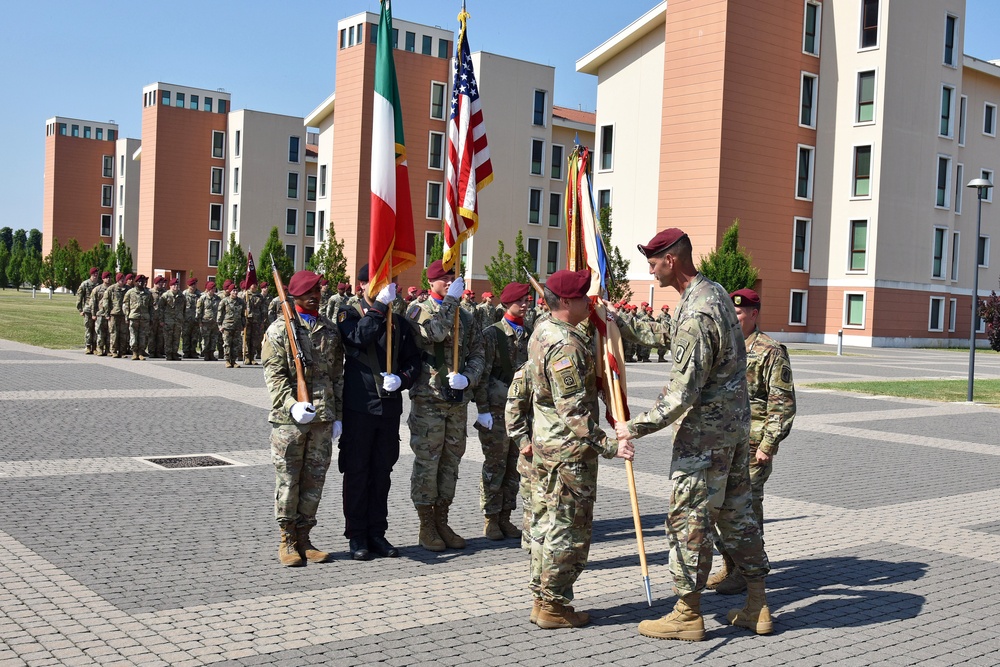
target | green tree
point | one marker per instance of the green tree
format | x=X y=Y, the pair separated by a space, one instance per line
x=31 y=267
x=274 y=248
x=47 y=272
x=7 y=238
x=123 y=257
x=503 y=268
x=99 y=256
x=14 y=265
x=437 y=252
x=522 y=259
x=730 y=265
x=35 y=240
x=4 y=261
x=330 y=261
x=619 y=287
x=70 y=271
x=233 y=263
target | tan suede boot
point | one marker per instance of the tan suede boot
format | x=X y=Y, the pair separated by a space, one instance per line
x=535 y=608
x=428 y=538
x=755 y=615
x=733 y=584
x=684 y=622
x=306 y=548
x=288 y=553
x=728 y=567
x=552 y=616
x=491 y=527
x=450 y=537
x=509 y=530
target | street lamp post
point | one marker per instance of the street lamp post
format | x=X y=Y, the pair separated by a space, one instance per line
x=982 y=187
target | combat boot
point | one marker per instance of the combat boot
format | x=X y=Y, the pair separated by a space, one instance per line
x=452 y=539
x=732 y=585
x=428 y=538
x=684 y=622
x=552 y=616
x=728 y=568
x=509 y=530
x=491 y=527
x=135 y=357
x=90 y=350
x=288 y=553
x=535 y=608
x=755 y=615
x=306 y=549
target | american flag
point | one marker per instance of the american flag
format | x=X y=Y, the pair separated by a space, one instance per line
x=469 y=169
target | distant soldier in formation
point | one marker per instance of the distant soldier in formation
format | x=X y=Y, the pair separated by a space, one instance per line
x=529 y=316
x=155 y=344
x=642 y=352
x=100 y=314
x=138 y=309
x=664 y=319
x=324 y=295
x=256 y=322
x=83 y=306
x=206 y=314
x=113 y=299
x=336 y=301
x=231 y=323
x=192 y=327
x=488 y=312
x=173 y=311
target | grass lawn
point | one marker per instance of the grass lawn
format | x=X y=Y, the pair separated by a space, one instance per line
x=985 y=391
x=812 y=353
x=47 y=323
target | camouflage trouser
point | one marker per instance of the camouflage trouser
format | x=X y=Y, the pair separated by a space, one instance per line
x=642 y=352
x=564 y=508
x=499 y=482
x=209 y=340
x=529 y=482
x=255 y=334
x=171 y=338
x=301 y=456
x=718 y=496
x=138 y=336
x=155 y=344
x=89 y=338
x=629 y=349
x=758 y=476
x=119 y=334
x=437 y=438
x=103 y=334
x=192 y=335
x=232 y=341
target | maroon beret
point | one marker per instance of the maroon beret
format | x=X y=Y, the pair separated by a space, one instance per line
x=159 y=279
x=129 y=277
x=119 y=276
x=324 y=282
x=194 y=281
x=141 y=279
x=175 y=281
x=468 y=292
x=487 y=295
x=209 y=285
x=513 y=292
x=263 y=284
x=341 y=286
x=569 y=284
x=94 y=270
x=745 y=297
x=644 y=304
x=243 y=284
x=664 y=307
x=661 y=242
x=412 y=290
x=226 y=285
x=106 y=274
x=303 y=282
x=437 y=272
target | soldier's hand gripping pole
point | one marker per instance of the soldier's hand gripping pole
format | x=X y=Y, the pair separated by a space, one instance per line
x=291 y=328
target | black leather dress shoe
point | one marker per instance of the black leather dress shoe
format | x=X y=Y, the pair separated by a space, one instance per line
x=359 y=549
x=381 y=547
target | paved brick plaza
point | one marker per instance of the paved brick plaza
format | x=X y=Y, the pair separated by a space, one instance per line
x=883 y=531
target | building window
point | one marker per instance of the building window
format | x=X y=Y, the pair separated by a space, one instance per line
x=869 y=24
x=938 y=253
x=76 y=131
x=935 y=320
x=106 y=194
x=433 y=200
x=988 y=193
x=310 y=223
x=100 y=134
x=963 y=111
x=106 y=224
x=291 y=221
x=804 y=186
x=395 y=38
x=222 y=106
x=952 y=313
x=862 y=171
x=797 y=307
x=236 y=147
x=854 y=310
x=194 y=102
x=538 y=109
x=444 y=49
x=943 y=199
x=321 y=226
x=607 y=146
x=537 y=155
x=215 y=217
x=218 y=144
x=947 y=126
x=533 y=253
x=214 y=251
x=430 y=238
x=426 y=43
x=555 y=209
x=293 y=185
x=235 y=220
x=552 y=258
x=800 y=245
x=411 y=41
x=290 y=252
x=437 y=100
x=435 y=151
x=236 y=180
x=557 y=162
x=310 y=188
x=959 y=187
x=954 y=255
x=216 y=180
x=534 y=207
x=208 y=104
x=180 y=101
x=810 y=31
x=866 y=97
x=858 y=260
x=950 y=28
x=165 y=98
x=350 y=36
x=603 y=200
x=108 y=166
x=307 y=254
x=86 y=132
x=293 y=150
x=121 y=195
x=983 y=252
x=807 y=112
x=990 y=119
x=62 y=129
x=322 y=180
x=121 y=165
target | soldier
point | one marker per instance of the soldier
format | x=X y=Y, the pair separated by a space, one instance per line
x=113 y=305
x=302 y=433
x=566 y=442
x=192 y=326
x=373 y=403
x=231 y=323
x=274 y=308
x=706 y=400
x=155 y=343
x=488 y=313
x=138 y=309
x=422 y=297
x=664 y=319
x=83 y=307
x=324 y=296
x=206 y=312
x=772 y=410
x=439 y=404
x=256 y=319
x=505 y=346
x=100 y=314
x=336 y=301
x=173 y=310
x=529 y=317
x=411 y=295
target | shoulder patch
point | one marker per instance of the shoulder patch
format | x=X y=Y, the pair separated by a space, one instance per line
x=786 y=374
x=519 y=374
x=414 y=312
x=561 y=364
x=342 y=316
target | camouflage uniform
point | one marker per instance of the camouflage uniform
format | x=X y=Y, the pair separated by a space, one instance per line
x=192 y=326
x=256 y=318
x=274 y=310
x=206 y=312
x=230 y=320
x=138 y=309
x=99 y=310
x=517 y=416
x=173 y=310
x=529 y=316
x=706 y=401
x=499 y=482
x=83 y=306
x=437 y=426
x=333 y=306
x=663 y=319
x=155 y=345
x=301 y=452
x=628 y=343
x=113 y=298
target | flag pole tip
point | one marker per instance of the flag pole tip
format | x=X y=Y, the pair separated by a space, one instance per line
x=649 y=591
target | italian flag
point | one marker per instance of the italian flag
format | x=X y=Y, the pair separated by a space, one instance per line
x=392 y=249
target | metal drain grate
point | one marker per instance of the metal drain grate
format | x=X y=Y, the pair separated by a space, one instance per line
x=187 y=462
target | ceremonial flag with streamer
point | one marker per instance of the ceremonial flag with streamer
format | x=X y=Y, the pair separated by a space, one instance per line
x=392 y=248
x=469 y=169
x=251 y=277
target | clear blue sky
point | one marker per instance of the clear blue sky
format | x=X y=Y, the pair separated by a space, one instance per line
x=91 y=59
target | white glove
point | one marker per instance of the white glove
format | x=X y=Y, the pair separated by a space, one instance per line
x=338 y=428
x=303 y=413
x=457 y=287
x=387 y=295
x=391 y=382
x=485 y=420
x=457 y=381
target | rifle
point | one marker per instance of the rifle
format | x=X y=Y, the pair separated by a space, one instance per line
x=534 y=283
x=292 y=329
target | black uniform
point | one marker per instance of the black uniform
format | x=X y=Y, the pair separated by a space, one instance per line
x=369 y=445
